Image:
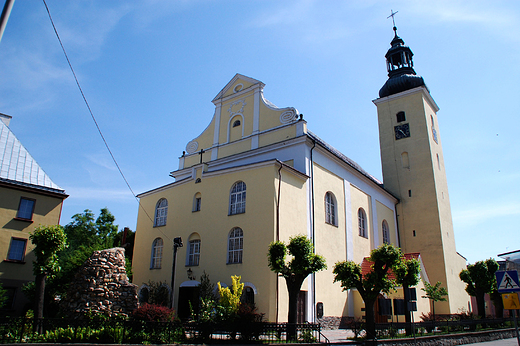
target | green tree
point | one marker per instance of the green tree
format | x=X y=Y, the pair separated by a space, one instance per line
x=435 y=293
x=302 y=263
x=370 y=285
x=407 y=275
x=48 y=241
x=480 y=279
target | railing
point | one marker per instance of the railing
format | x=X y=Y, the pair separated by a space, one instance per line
x=114 y=331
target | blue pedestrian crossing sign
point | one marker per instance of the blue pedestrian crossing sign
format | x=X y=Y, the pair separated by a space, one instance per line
x=507 y=281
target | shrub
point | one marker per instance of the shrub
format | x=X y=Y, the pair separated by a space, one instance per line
x=153 y=313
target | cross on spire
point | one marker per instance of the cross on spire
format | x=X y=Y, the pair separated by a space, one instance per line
x=392 y=14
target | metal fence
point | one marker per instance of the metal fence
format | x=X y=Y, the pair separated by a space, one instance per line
x=123 y=331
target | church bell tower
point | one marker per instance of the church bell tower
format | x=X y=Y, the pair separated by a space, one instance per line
x=413 y=170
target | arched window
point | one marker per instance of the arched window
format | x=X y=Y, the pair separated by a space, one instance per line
x=161 y=212
x=144 y=294
x=237 y=198
x=330 y=209
x=249 y=296
x=157 y=248
x=362 y=223
x=400 y=117
x=386 y=233
x=235 y=245
x=193 y=250
x=197 y=201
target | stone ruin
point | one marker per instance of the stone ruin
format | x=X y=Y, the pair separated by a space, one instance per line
x=101 y=286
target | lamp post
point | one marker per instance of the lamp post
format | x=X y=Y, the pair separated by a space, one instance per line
x=177 y=242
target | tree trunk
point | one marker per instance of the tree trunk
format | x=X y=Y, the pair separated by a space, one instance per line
x=293 y=288
x=407 y=314
x=481 y=304
x=39 y=295
x=370 y=319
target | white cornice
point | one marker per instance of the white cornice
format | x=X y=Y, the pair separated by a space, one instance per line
x=422 y=89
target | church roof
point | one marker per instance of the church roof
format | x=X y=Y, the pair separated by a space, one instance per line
x=366 y=266
x=18 y=167
x=343 y=158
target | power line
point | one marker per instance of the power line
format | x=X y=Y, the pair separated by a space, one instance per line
x=94 y=118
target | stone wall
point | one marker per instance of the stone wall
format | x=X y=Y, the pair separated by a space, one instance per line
x=101 y=285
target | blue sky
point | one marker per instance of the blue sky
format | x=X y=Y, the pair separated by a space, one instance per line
x=150 y=68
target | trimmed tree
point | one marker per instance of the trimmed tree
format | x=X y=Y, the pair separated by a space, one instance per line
x=302 y=263
x=370 y=285
x=480 y=279
x=48 y=241
x=435 y=293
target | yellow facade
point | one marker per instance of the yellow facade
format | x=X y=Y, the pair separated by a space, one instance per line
x=47 y=210
x=413 y=170
x=291 y=178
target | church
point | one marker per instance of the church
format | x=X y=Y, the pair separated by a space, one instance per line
x=258 y=174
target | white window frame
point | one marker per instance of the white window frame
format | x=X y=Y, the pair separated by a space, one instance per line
x=161 y=212
x=157 y=251
x=330 y=209
x=237 y=198
x=235 y=246
x=194 y=252
x=362 y=223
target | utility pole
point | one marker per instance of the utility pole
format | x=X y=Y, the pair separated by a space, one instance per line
x=5 y=16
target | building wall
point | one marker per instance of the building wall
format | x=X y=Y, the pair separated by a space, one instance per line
x=47 y=211
x=420 y=182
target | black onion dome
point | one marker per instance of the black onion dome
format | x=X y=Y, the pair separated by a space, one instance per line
x=399 y=64
x=401 y=83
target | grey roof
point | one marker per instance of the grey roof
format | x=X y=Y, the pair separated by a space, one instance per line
x=344 y=158
x=18 y=166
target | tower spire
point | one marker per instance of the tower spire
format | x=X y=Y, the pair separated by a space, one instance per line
x=399 y=64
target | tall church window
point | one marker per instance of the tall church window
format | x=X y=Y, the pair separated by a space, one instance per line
x=400 y=117
x=161 y=212
x=330 y=209
x=434 y=132
x=386 y=232
x=157 y=250
x=235 y=245
x=362 y=223
x=237 y=198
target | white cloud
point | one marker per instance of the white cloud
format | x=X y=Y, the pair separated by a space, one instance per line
x=485 y=212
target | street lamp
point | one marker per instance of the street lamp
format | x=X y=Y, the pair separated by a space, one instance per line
x=177 y=242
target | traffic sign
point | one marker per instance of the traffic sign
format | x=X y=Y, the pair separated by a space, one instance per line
x=507 y=281
x=510 y=301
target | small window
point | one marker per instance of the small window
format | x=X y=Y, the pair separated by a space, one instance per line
x=26 y=208
x=17 y=250
x=197 y=201
x=161 y=212
x=386 y=233
x=194 y=252
x=362 y=223
x=330 y=209
x=237 y=198
x=157 y=249
x=236 y=123
x=235 y=245
x=400 y=117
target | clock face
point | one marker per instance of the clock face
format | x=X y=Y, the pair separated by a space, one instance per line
x=402 y=131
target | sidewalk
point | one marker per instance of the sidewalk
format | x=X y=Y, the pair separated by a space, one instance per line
x=340 y=336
